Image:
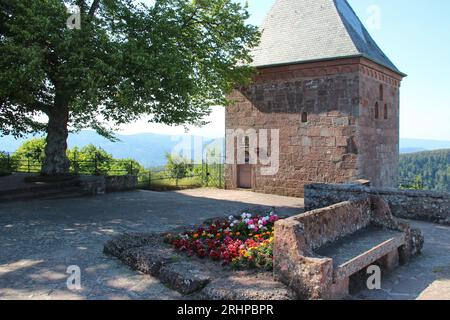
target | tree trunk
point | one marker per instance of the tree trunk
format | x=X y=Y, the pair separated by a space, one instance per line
x=56 y=161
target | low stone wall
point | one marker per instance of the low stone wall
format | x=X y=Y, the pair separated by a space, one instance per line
x=95 y=185
x=409 y=204
x=92 y=185
x=120 y=183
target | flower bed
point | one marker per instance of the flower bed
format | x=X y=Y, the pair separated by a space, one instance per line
x=243 y=242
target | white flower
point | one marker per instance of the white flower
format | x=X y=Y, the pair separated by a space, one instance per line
x=251 y=226
x=230 y=218
x=232 y=225
x=246 y=215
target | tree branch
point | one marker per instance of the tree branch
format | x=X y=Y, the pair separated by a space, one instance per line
x=82 y=5
x=94 y=7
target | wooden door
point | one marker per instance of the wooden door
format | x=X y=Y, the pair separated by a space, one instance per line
x=245 y=176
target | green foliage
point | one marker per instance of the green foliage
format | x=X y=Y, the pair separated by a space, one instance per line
x=178 y=167
x=87 y=160
x=94 y=160
x=430 y=169
x=4 y=165
x=90 y=160
x=172 y=61
x=29 y=156
x=416 y=184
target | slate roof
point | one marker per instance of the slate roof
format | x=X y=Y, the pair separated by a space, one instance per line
x=297 y=31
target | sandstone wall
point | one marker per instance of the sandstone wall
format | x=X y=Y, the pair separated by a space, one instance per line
x=408 y=204
x=322 y=149
x=340 y=141
x=378 y=134
x=120 y=183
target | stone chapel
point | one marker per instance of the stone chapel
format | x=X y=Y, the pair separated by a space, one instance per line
x=332 y=93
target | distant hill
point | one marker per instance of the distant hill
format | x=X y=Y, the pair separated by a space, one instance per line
x=432 y=166
x=148 y=148
x=417 y=145
x=411 y=150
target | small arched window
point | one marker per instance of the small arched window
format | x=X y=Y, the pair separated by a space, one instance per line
x=385 y=112
x=247 y=150
x=304 y=117
x=377 y=111
x=381 y=92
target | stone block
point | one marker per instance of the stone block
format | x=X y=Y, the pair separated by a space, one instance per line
x=391 y=260
x=117 y=245
x=338 y=290
x=247 y=287
x=148 y=259
x=326 y=132
x=185 y=277
x=341 y=141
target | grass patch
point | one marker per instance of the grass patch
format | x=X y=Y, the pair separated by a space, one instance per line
x=171 y=184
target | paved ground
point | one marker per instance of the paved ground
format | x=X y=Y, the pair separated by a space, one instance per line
x=40 y=239
x=14 y=181
x=426 y=277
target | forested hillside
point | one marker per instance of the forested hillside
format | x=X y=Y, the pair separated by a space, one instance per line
x=431 y=167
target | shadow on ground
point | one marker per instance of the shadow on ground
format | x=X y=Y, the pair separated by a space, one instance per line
x=39 y=239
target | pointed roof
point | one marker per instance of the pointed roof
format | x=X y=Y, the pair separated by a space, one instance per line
x=297 y=31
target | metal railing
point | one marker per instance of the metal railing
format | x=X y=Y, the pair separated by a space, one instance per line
x=199 y=175
x=206 y=174
x=411 y=184
x=89 y=167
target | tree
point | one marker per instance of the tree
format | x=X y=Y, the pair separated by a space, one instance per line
x=95 y=160
x=177 y=166
x=29 y=156
x=4 y=163
x=172 y=61
x=90 y=160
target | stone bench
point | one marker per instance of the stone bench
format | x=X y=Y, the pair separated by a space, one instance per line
x=317 y=252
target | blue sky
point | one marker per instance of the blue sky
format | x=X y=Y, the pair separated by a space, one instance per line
x=416 y=37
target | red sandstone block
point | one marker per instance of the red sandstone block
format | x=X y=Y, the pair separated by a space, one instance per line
x=341 y=141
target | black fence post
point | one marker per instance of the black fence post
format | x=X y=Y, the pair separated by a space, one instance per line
x=75 y=164
x=8 y=163
x=207 y=172
x=220 y=175
x=150 y=178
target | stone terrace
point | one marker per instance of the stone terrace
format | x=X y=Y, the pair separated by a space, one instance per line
x=39 y=239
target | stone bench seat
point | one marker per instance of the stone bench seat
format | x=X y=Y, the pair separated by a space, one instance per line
x=360 y=250
x=316 y=253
